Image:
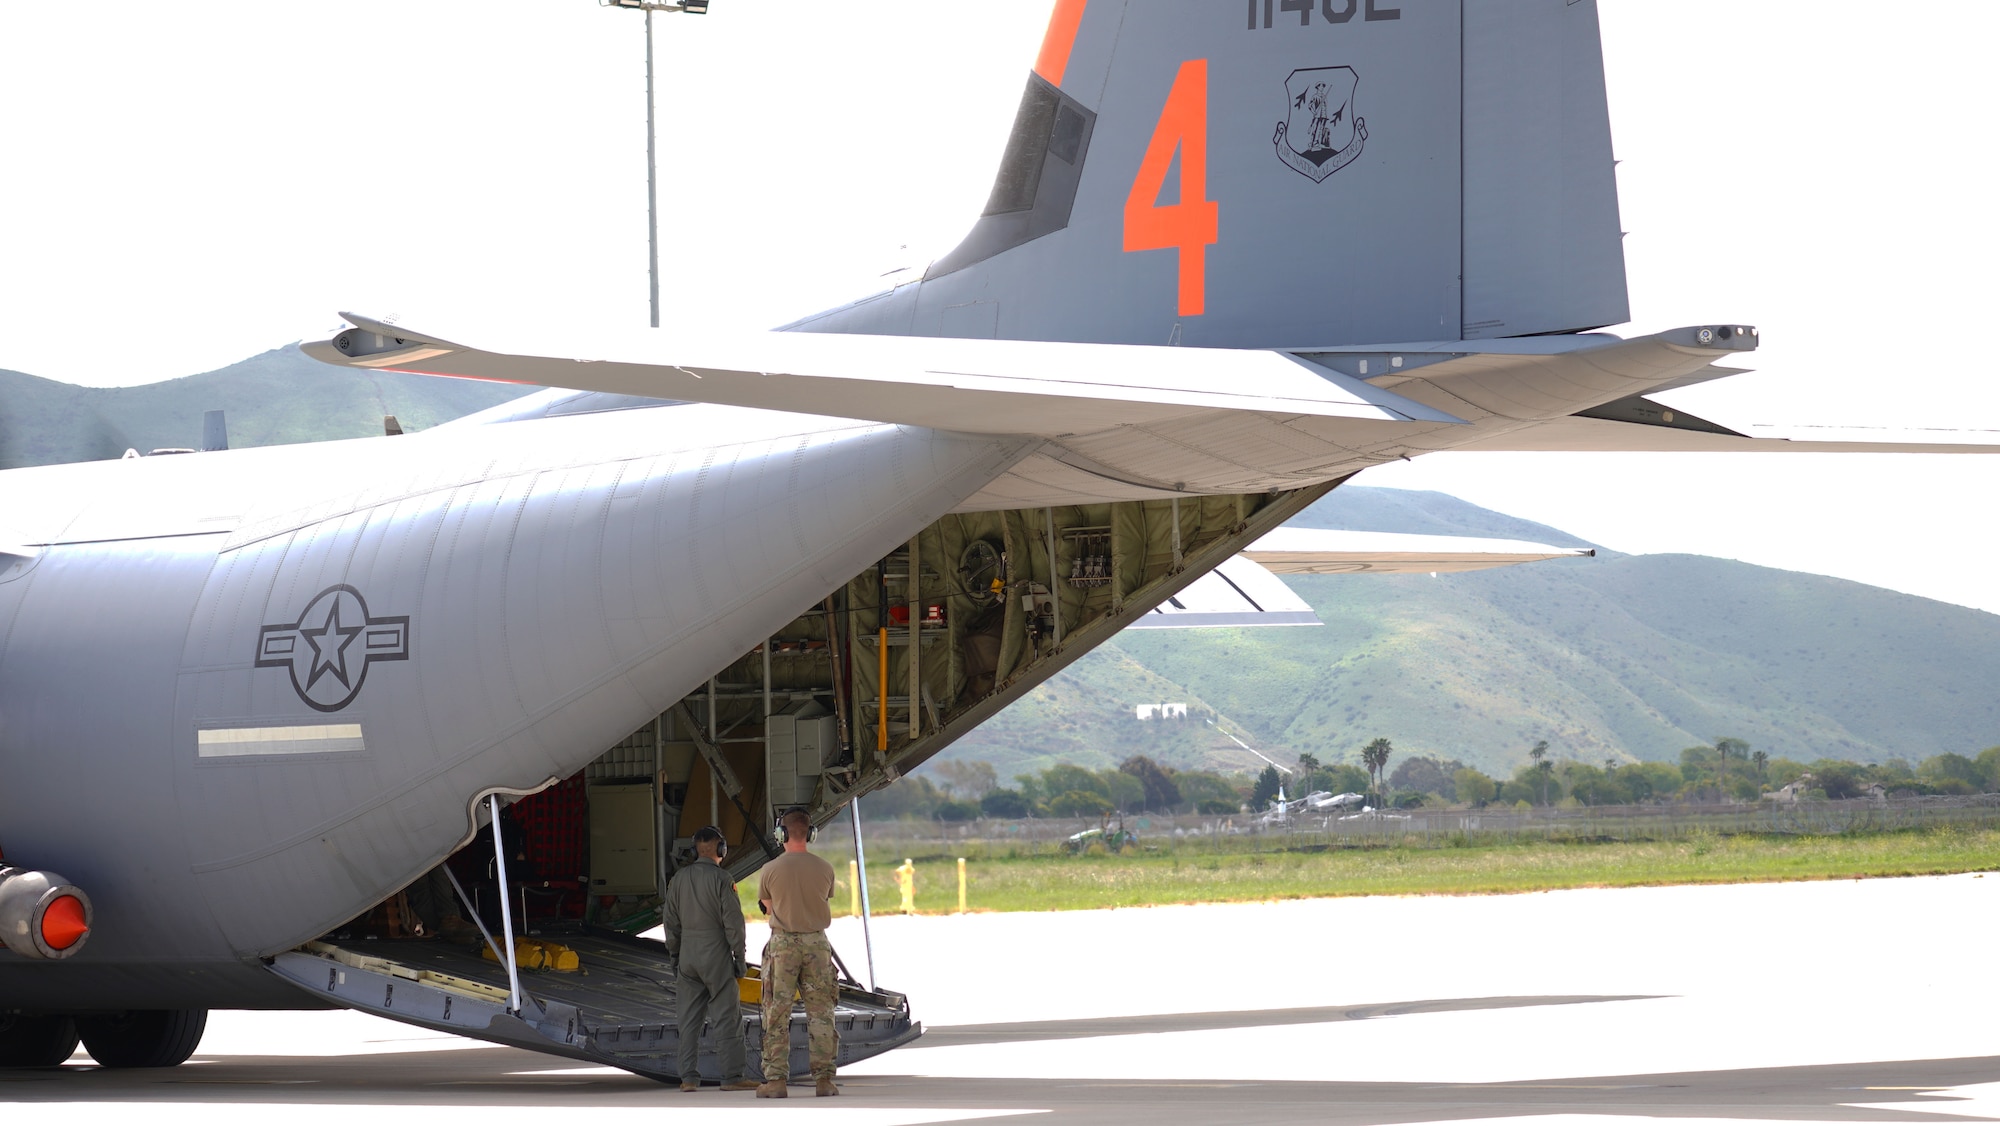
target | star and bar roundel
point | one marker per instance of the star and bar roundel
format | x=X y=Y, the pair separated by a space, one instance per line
x=331 y=646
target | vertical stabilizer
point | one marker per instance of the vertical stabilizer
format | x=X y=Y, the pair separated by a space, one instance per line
x=1291 y=173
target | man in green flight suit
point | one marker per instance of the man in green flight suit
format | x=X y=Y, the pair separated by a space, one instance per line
x=704 y=936
x=794 y=890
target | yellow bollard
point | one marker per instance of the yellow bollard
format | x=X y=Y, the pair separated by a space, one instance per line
x=854 y=889
x=906 y=882
x=961 y=885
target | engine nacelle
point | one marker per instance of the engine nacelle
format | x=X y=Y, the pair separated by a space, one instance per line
x=42 y=915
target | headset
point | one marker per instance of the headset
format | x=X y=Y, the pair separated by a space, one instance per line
x=710 y=832
x=778 y=830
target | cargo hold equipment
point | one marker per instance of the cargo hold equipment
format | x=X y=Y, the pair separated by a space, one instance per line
x=619 y=1011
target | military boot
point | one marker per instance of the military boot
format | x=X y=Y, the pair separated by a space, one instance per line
x=823 y=1087
x=771 y=1089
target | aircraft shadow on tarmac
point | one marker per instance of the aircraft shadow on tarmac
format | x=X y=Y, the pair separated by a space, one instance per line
x=968 y=1034
x=507 y=1077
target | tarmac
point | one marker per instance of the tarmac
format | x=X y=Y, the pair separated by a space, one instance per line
x=1847 y=1001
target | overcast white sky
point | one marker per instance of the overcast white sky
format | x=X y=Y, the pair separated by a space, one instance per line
x=186 y=185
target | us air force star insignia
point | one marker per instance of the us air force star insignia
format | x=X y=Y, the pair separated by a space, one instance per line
x=321 y=650
x=1320 y=134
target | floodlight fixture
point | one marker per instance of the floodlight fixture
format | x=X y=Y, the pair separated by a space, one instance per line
x=692 y=7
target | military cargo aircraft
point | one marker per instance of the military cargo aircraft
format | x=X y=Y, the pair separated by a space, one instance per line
x=1235 y=254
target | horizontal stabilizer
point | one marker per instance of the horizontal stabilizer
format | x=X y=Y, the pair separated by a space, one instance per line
x=1543 y=377
x=978 y=386
x=15 y=561
x=1642 y=411
x=1601 y=435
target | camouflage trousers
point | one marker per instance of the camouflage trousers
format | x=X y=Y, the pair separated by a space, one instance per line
x=799 y=965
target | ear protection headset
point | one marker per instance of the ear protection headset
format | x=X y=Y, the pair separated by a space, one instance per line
x=778 y=830
x=710 y=832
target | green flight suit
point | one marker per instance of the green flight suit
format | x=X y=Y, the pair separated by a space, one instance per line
x=704 y=936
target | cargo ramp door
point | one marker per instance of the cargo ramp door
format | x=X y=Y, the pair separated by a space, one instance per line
x=618 y=1008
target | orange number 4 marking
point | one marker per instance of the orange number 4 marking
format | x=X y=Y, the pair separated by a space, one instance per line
x=1189 y=226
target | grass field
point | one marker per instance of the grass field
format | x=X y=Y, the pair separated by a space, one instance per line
x=1177 y=873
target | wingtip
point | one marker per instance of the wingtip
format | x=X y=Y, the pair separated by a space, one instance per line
x=373 y=343
x=390 y=329
x=323 y=351
x=1715 y=338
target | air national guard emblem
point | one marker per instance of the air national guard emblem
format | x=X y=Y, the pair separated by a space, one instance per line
x=328 y=650
x=1320 y=134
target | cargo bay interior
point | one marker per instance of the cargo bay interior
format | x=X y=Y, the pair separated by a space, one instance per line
x=883 y=673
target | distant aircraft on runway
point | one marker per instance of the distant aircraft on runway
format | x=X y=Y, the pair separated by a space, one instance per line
x=1235 y=254
x=1283 y=812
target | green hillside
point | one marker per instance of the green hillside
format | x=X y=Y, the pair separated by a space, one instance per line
x=1626 y=657
x=278 y=397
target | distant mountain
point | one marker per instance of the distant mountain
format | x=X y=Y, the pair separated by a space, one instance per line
x=1361 y=509
x=1614 y=657
x=278 y=397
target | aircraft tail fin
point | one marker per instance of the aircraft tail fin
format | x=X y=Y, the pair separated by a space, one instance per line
x=1291 y=173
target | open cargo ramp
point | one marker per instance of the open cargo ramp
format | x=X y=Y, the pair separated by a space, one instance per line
x=618 y=1009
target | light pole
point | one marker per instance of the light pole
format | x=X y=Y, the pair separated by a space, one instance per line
x=693 y=7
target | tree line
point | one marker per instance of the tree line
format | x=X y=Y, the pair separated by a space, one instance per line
x=1137 y=785
x=1728 y=769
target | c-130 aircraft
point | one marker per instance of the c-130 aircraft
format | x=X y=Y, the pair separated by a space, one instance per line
x=1235 y=254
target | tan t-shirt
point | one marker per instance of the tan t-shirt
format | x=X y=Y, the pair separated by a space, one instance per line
x=797 y=885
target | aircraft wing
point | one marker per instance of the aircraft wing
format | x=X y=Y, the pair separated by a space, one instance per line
x=977 y=386
x=1246 y=591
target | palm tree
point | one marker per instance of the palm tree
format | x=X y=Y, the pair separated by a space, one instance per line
x=1375 y=756
x=1539 y=755
x=1723 y=749
x=1758 y=759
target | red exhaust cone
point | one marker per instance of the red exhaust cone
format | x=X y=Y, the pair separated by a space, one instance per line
x=62 y=923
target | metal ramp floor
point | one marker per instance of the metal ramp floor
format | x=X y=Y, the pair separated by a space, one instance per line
x=617 y=1009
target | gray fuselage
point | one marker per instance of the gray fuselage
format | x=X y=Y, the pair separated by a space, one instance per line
x=232 y=753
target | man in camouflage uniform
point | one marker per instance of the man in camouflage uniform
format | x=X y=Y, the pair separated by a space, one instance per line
x=704 y=937
x=794 y=890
